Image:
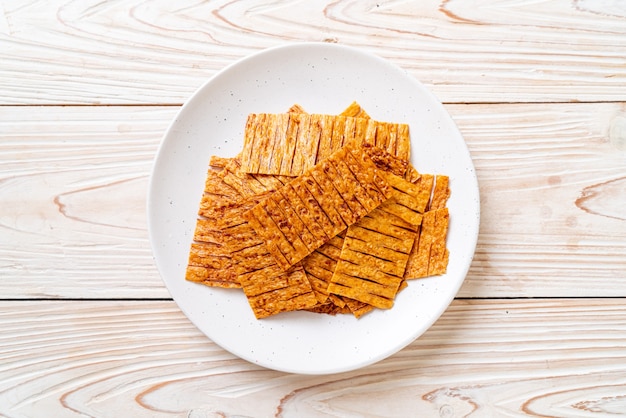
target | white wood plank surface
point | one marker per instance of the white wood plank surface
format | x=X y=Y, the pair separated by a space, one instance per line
x=553 y=199
x=538 y=89
x=482 y=358
x=73 y=184
x=158 y=52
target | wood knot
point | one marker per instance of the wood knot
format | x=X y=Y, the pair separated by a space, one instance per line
x=604 y=199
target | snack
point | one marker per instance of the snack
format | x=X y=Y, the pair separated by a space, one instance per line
x=349 y=173
x=270 y=290
x=210 y=261
x=439 y=254
x=291 y=143
x=319 y=213
x=429 y=255
x=376 y=249
x=319 y=266
x=355 y=110
x=441 y=193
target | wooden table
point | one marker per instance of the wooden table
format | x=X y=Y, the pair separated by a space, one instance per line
x=87 y=327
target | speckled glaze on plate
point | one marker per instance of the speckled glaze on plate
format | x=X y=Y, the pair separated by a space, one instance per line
x=323 y=78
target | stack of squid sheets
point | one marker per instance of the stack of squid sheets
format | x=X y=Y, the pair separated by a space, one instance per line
x=320 y=213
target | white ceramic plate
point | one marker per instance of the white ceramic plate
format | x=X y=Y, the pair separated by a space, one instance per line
x=323 y=78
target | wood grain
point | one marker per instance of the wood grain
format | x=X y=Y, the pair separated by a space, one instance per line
x=486 y=358
x=159 y=52
x=552 y=185
x=538 y=89
x=73 y=184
